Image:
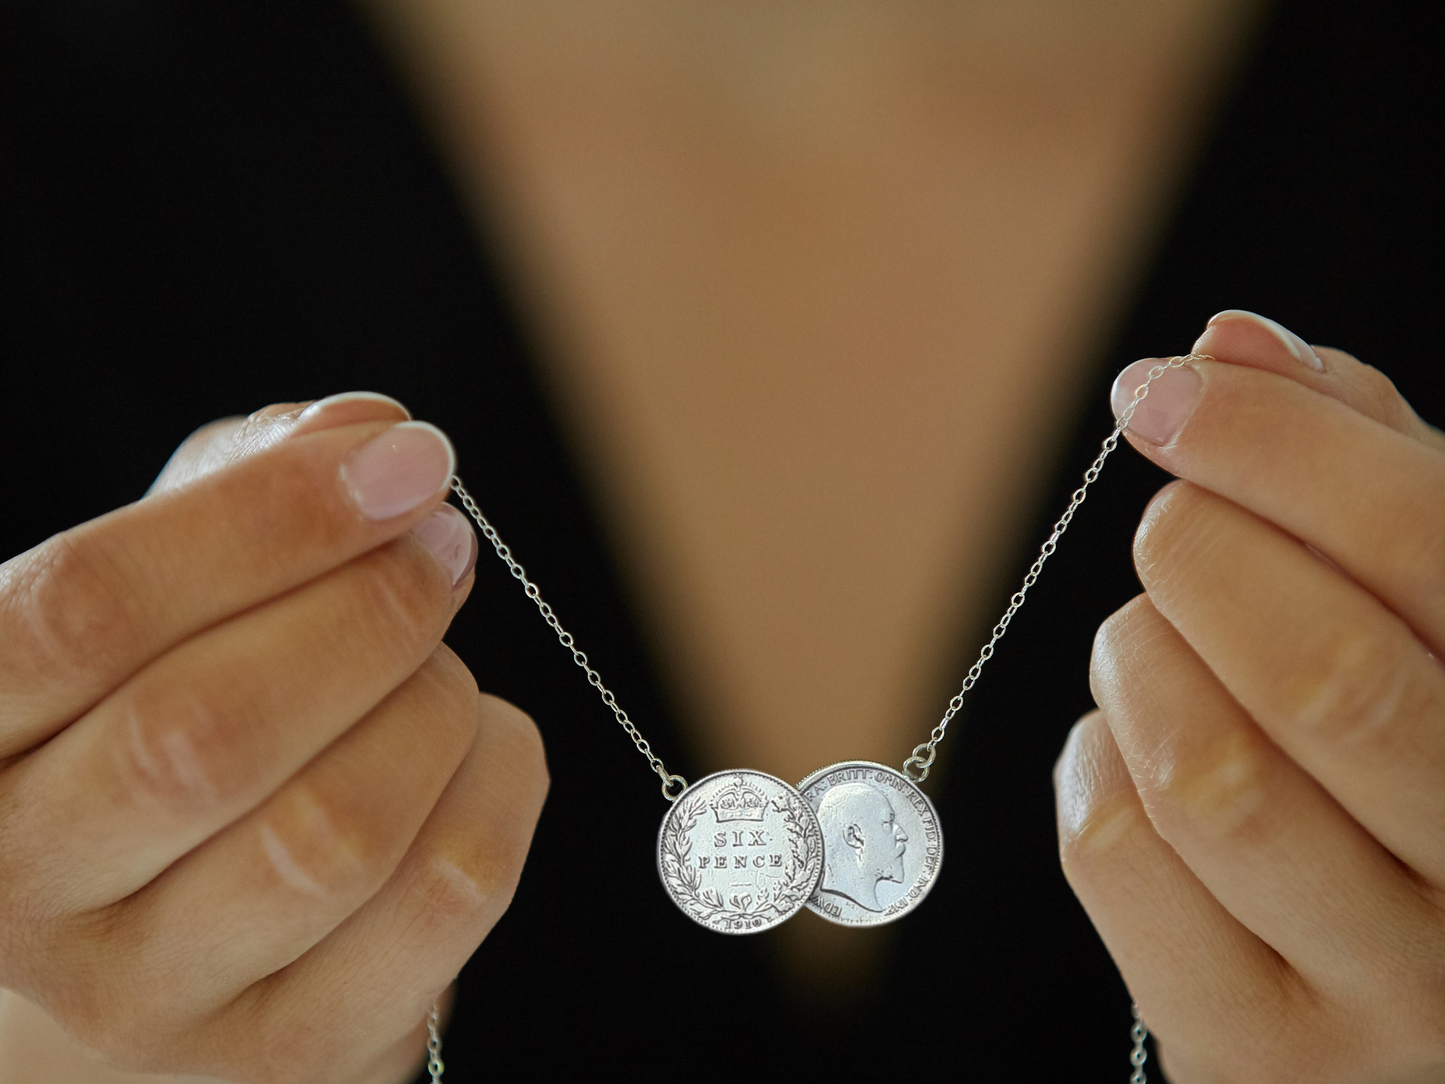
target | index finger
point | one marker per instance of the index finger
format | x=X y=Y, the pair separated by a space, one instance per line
x=85 y=609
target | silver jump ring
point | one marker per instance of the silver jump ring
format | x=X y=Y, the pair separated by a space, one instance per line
x=667 y=784
x=921 y=760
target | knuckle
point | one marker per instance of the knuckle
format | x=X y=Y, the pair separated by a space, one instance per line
x=1095 y=826
x=1381 y=400
x=1098 y=810
x=1116 y=643
x=463 y=885
x=1170 y=532
x=521 y=741
x=67 y=607
x=1352 y=690
x=184 y=751
x=1217 y=790
x=450 y=690
x=469 y=876
x=400 y=597
x=1104 y=653
x=311 y=849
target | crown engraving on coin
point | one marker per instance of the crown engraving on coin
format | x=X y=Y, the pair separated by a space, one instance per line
x=739 y=802
x=740 y=852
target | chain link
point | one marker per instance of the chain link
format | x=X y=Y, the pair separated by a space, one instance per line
x=434 y=1064
x=672 y=785
x=917 y=765
x=1139 y=1055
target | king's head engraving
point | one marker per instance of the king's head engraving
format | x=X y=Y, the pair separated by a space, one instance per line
x=863 y=843
x=739 y=802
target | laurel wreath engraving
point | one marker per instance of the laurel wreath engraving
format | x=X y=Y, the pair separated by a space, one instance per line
x=706 y=904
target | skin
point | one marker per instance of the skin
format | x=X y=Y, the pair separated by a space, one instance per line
x=1253 y=817
x=228 y=706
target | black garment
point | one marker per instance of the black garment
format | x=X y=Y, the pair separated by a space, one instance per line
x=208 y=207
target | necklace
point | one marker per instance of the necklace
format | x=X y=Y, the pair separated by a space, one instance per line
x=856 y=842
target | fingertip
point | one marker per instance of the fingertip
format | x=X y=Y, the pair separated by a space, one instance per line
x=1154 y=398
x=399 y=469
x=1161 y=497
x=348 y=408
x=448 y=536
x=1070 y=744
x=1241 y=337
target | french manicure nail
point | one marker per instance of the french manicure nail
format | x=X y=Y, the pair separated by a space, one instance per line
x=448 y=536
x=1298 y=348
x=1171 y=399
x=343 y=409
x=399 y=469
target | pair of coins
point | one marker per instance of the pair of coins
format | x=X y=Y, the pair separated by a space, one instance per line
x=855 y=842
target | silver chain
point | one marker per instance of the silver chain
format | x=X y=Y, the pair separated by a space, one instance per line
x=916 y=766
x=434 y=1064
x=669 y=781
x=1139 y=1055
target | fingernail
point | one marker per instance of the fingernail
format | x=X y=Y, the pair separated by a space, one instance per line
x=343 y=409
x=393 y=473
x=1171 y=399
x=1298 y=348
x=449 y=537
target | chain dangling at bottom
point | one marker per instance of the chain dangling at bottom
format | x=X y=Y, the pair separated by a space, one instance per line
x=434 y=1064
x=1139 y=1055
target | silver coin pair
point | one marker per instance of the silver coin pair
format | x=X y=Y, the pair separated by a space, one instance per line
x=856 y=842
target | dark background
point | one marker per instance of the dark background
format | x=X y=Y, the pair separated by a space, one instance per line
x=206 y=207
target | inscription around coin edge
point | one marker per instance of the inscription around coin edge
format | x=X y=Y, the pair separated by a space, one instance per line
x=922 y=884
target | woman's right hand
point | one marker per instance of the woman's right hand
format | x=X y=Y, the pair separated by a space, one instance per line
x=254 y=816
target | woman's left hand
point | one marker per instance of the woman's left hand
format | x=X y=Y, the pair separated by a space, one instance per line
x=1255 y=817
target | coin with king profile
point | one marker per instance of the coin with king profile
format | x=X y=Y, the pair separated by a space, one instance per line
x=740 y=852
x=881 y=839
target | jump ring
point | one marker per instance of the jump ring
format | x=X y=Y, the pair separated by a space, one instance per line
x=667 y=784
x=921 y=760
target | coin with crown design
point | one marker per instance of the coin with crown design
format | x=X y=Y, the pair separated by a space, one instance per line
x=740 y=852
